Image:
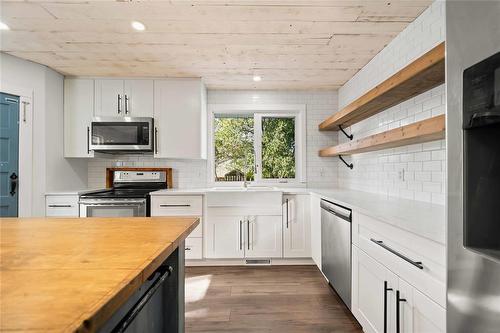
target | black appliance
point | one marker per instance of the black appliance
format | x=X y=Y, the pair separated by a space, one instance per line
x=481 y=124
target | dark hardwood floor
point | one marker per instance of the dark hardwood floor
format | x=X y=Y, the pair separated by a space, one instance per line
x=287 y=299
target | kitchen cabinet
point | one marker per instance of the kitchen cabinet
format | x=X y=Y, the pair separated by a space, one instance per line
x=264 y=239
x=419 y=314
x=180 y=119
x=61 y=206
x=225 y=236
x=296 y=226
x=373 y=293
x=234 y=236
x=315 y=218
x=124 y=98
x=183 y=205
x=78 y=113
x=413 y=268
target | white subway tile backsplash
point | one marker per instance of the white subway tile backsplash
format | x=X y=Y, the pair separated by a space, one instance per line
x=422 y=163
x=192 y=173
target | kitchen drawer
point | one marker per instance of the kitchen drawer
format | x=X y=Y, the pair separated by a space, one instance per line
x=61 y=206
x=389 y=250
x=193 y=248
x=198 y=231
x=178 y=205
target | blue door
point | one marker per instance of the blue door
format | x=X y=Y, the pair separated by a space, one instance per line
x=9 y=154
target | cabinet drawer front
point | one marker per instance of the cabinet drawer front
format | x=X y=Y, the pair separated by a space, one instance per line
x=198 y=231
x=176 y=205
x=62 y=206
x=404 y=261
x=193 y=248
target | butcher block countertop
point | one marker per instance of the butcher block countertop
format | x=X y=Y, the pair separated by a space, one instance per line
x=72 y=274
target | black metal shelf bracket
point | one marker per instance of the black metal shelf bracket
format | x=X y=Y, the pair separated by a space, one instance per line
x=350 y=137
x=350 y=166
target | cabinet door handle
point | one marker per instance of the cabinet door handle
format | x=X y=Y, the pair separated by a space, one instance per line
x=88 y=140
x=126 y=104
x=60 y=206
x=402 y=256
x=156 y=140
x=287 y=213
x=248 y=234
x=119 y=104
x=386 y=289
x=398 y=314
x=241 y=237
x=24 y=110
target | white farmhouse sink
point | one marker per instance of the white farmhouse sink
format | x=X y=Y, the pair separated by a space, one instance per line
x=228 y=189
x=242 y=189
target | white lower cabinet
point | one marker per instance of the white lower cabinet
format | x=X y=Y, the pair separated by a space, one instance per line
x=264 y=238
x=193 y=247
x=419 y=314
x=296 y=226
x=315 y=218
x=255 y=236
x=378 y=294
x=61 y=206
x=373 y=288
x=225 y=236
x=183 y=205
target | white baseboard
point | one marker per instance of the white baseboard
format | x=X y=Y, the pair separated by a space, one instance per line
x=242 y=262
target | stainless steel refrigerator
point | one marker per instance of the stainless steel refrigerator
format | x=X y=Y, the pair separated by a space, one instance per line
x=473 y=163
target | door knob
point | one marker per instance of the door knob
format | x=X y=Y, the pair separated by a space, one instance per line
x=13 y=183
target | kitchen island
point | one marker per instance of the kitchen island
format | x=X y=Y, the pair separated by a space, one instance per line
x=91 y=274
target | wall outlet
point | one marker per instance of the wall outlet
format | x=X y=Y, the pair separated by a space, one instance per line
x=401 y=175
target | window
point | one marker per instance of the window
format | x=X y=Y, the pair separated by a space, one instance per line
x=234 y=148
x=278 y=147
x=257 y=146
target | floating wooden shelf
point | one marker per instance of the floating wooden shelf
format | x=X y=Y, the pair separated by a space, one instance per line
x=423 y=74
x=423 y=131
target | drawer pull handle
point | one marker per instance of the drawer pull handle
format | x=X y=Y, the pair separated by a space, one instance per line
x=166 y=205
x=187 y=249
x=402 y=256
x=60 y=206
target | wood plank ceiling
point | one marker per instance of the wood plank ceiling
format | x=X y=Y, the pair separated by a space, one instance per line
x=295 y=44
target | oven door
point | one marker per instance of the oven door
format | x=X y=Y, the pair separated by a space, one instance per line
x=121 y=134
x=113 y=208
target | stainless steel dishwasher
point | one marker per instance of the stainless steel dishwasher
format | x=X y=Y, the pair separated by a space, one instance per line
x=336 y=248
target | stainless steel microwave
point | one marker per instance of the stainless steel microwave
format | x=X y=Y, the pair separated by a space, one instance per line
x=121 y=134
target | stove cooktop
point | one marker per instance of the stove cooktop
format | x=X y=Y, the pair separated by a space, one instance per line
x=120 y=193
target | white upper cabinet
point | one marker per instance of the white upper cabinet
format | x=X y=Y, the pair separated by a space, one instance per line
x=78 y=113
x=138 y=98
x=296 y=226
x=180 y=114
x=124 y=98
x=109 y=98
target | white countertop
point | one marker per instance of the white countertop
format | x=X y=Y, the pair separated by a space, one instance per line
x=422 y=218
x=72 y=192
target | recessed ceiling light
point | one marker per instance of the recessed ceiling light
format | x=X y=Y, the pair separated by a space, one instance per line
x=257 y=78
x=138 y=26
x=4 y=26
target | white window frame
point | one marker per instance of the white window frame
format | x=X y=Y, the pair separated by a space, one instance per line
x=276 y=110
